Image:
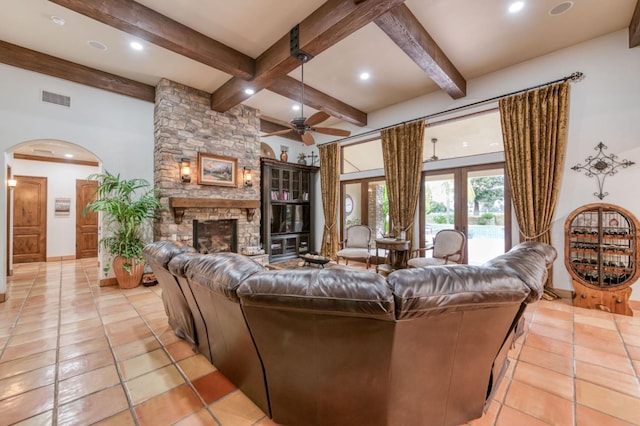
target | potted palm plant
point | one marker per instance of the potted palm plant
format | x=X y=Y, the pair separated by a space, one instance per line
x=127 y=205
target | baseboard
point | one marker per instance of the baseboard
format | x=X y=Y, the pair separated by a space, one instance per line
x=564 y=294
x=61 y=258
x=3 y=297
x=108 y=281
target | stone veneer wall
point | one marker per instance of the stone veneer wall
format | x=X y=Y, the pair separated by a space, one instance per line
x=184 y=125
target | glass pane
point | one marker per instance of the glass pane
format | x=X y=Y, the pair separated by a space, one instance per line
x=480 y=134
x=439 y=205
x=362 y=156
x=351 y=205
x=379 y=220
x=485 y=209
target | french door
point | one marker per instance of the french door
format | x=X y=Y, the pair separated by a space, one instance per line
x=474 y=200
x=365 y=202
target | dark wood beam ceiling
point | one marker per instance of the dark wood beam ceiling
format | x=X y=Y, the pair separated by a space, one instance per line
x=407 y=32
x=291 y=88
x=267 y=126
x=327 y=25
x=139 y=20
x=21 y=57
x=133 y=18
x=634 y=27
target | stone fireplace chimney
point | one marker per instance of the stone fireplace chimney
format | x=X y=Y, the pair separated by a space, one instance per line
x=184 y=126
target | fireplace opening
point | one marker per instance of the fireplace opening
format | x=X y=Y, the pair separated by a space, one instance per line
x=215 y=236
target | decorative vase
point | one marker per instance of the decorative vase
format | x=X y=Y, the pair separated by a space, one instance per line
x=284 y=156
x=128 y=279
x=302 y=161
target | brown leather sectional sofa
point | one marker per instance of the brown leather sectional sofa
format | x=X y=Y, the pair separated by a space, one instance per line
x=425 y=346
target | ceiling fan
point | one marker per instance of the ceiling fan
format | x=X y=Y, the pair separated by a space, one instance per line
x=303 y=125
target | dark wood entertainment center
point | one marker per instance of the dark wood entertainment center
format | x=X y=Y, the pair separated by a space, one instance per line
x=287 y=208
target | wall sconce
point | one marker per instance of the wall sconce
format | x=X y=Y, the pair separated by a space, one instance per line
x=247 y=178
x=185 y=170
x=11 y=183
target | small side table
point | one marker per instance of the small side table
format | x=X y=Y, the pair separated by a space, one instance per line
x=397 y=254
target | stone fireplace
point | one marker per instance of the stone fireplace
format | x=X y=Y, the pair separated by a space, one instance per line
x=184 y=126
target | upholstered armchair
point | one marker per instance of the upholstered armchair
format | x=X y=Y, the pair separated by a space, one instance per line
x=356 y=244
x=448 y=248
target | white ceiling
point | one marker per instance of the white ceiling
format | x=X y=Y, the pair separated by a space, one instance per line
x=478 y=37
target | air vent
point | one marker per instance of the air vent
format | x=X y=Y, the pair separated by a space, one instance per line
x=55 y=98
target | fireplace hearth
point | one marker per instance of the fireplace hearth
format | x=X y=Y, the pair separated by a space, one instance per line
x=215 y=236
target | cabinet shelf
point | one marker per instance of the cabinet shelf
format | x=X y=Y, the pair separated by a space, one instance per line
x=601 y=256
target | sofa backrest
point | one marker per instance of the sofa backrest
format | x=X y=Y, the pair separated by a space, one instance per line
x=213 y=280
x=158 y=255
x=324 y=335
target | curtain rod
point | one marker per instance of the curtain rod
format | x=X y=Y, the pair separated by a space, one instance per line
x=576 y=76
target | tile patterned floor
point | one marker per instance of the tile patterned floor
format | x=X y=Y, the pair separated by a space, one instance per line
x=74 y=353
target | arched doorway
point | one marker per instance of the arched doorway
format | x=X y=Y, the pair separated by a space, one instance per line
x=51 y=190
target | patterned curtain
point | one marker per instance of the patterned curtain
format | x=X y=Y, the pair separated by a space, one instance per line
x=534 y=131
x=402 y=154
x=329 y=184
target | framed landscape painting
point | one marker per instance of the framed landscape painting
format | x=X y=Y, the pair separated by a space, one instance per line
x=216 y=170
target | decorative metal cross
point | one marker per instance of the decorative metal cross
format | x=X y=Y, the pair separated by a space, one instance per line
x=601 y=166
x=313 y=157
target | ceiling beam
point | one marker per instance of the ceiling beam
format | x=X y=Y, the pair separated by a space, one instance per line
x=634 y=27
x=31 y=60
x=406 y=31
x=327 y=25
x=267 y=126
x=136 y=19
x=291 y=88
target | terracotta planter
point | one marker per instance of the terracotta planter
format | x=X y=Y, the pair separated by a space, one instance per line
x=128 y=279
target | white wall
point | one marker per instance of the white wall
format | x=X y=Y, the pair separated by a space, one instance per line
x=604 y=107
x=117 y=129
x=61 y=183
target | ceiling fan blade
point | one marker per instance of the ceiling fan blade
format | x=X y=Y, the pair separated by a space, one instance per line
x=316 y=118
x=331 y=131
x=276 y=121
x=276 y=133
x=308 y=139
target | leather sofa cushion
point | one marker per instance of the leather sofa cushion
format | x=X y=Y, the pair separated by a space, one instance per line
x=221 y=272
x=439 y=289
x=530 y=263
x=161 y=252
x=331 y=291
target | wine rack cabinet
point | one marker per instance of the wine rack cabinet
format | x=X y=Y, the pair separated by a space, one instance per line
x=601 y=254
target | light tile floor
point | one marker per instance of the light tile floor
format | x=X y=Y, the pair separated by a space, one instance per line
x=72 y=352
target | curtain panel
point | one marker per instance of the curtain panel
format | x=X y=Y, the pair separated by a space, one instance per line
x=534 y=132
x=402 y=151
x=329 y=185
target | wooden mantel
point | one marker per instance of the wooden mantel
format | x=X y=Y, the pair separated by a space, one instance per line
x=181 y=204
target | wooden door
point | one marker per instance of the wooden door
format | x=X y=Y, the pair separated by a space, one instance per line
x=30 y=219
x=86 y=225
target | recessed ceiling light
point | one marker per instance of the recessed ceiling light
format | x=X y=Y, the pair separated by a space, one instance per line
x=465 y=144
x=69 y=155
x=365 y=76
x=561 y=8
x=249 y=91
x=57 y=20
x=516 y=6
x=296 y=107
x=136 y=45
x=97 y=45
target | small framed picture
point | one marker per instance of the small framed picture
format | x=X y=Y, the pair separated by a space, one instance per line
x=217 y=170
x=62 y=206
